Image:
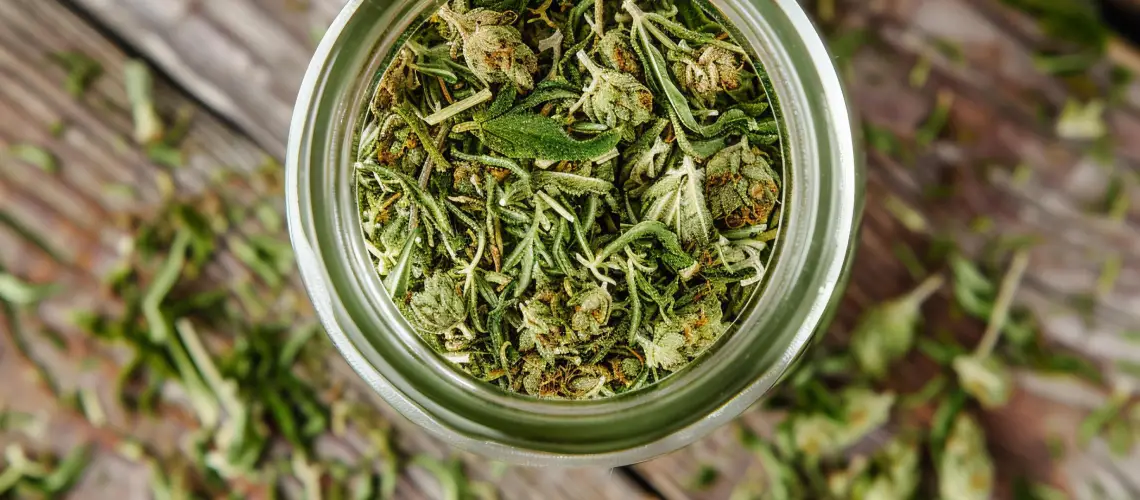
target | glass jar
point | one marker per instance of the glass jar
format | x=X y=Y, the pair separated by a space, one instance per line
x=823 y=204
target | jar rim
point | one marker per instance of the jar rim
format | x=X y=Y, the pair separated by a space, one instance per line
x=519 y=429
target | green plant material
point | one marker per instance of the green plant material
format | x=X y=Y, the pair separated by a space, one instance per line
x=615 y=98
x=982 y=376
x=819 y=435
x=944 y=418
x=149 y=128
x=527 y=211
x=35 y=156
x=678 y=200
x=92 y=408
x=985 y=379
x=68 y=472
x=524 y=136
x=31 y=236
x=165 y=155
x=1082 y=122
x=885 y=332
x=1077 y=21
x=882 y=140
x=965 y=469
x=920 y=73
x=1100 y=418
x=81 y=70
x=1116 y=199
x=705 y=478
x=936 y=122
x=21 y=293
x=910 y=218
x=451 y=479
x=493 y=50
x=743 y=189
x=1109 y=275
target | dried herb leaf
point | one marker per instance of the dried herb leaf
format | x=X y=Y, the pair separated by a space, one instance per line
x=149 y=128
x=678 y=200
x=19 y=292
x=542 y=138
x=36 y=156
x=886 y=332
x=81 y=69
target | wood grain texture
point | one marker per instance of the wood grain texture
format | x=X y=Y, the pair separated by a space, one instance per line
x=74 y=213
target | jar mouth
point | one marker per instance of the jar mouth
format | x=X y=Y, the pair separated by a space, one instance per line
x=819 y=219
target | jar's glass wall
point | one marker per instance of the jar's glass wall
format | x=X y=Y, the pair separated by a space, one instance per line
x=821 y=213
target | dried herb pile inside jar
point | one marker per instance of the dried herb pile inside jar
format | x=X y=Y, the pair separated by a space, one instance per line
x=571 y=199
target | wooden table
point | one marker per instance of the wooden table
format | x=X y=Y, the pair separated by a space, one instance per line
x=237 y=65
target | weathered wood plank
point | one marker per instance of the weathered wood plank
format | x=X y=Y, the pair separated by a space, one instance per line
x=74 y=211
x=242 y=59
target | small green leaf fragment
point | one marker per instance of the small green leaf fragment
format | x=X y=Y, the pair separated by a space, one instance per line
x=885 y=332
x=19 y=292
x=965 y=468
x=149 y=128
x=36 y=156
x=81 y=70
x=705 y=478
x=68 y=471
x=1082 y=122
x=166 y=155
x=986 y=379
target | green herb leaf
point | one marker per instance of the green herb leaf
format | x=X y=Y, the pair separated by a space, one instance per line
x=68 y=471
x=678 y=200
x=965 y=469
x=986 y=379
x=885 y=332
x=81 y=69
x=19 y=292
x=36 y=156
x=149 y=128
x=542 y=138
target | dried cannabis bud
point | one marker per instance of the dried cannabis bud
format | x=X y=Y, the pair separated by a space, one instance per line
x=965 y=469
x=538 y=199
x=742 y=187
x=493 y=50
x=886 y=331
x=709 y=71
x=618 y=53
x=615 y=98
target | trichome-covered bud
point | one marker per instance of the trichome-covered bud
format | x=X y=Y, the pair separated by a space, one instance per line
x=494 y=50
x=742 y=188
x=440 y=309
x=615 y=98
x=618 y=53
x=399 y=78
x=591 y=311
x=709 y=71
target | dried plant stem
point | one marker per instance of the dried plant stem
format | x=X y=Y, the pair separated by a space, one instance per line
x=1002 y=305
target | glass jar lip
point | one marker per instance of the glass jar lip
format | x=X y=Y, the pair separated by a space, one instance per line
x=473 y=435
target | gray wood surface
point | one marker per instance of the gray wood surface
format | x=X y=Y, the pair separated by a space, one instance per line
x=243 y=59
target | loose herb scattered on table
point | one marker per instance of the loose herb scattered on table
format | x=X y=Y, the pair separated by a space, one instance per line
x=575 y=200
